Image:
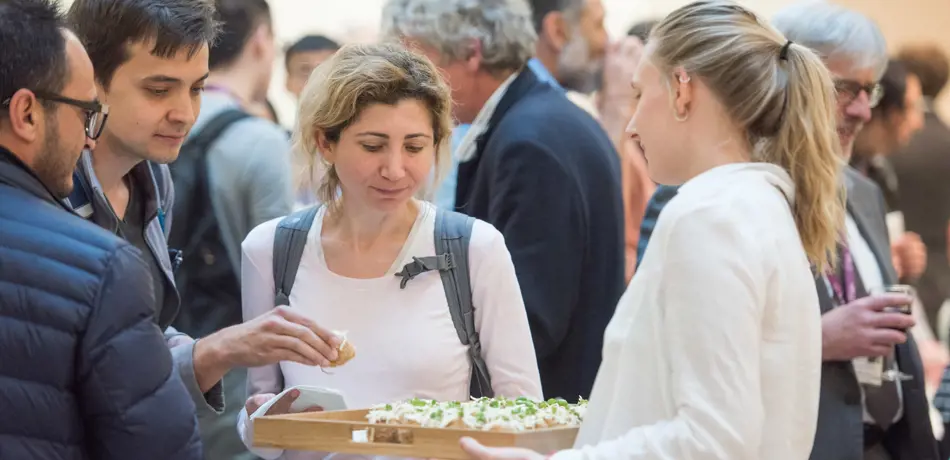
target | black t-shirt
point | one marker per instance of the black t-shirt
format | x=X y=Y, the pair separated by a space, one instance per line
x=132 y=229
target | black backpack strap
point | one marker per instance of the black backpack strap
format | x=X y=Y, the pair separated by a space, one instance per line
x=289 y=241
x=200 y=142
x=213 y=129
x=453 y=232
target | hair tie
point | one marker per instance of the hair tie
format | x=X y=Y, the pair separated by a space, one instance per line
x=783 y=54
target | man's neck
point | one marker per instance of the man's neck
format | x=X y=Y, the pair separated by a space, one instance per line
x=548 y=58
x=238 y=83
x=485 y=87
x=111 y=166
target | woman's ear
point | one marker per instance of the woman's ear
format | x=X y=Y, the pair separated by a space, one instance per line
x=683 y=94
x=326 y=148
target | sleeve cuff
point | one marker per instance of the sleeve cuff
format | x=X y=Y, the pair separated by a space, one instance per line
x=245 y=427
x=208 y=404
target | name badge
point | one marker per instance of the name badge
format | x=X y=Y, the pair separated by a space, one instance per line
x=869 y=370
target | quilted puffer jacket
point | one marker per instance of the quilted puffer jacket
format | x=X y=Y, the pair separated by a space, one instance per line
x=84 y=370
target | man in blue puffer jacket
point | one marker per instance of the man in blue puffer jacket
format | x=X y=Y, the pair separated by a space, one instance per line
x=84 y=370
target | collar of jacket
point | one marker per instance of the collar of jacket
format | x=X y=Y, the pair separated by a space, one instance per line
x=523 y=84
x=99 y=209
x=16 y=174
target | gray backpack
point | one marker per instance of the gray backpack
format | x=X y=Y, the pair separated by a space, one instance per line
x=452 y=234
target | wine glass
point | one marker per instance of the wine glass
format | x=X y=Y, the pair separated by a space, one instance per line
x=894 y=374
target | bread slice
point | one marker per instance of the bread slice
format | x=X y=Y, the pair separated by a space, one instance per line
x=346 y=352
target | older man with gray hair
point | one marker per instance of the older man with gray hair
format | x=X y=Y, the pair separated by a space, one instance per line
x=873 y=402
x=538 y=168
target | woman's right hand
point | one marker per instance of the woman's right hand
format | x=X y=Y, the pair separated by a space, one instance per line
x=282 y=406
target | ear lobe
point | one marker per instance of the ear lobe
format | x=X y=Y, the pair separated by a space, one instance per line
x=474 y=61
x=23 y=117
x=324 y=146
x=684 y=93
x=555 y=30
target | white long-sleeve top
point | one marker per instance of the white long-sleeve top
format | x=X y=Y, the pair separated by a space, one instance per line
x=714 y=352
x=406 y=344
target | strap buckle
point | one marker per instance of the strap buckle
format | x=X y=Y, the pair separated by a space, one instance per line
x=421 y=265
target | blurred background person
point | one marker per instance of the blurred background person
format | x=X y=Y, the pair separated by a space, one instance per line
x=300 y=60
x=923 y=177
x=305 y=55
x=574 y=52
x=894 y=121
x=538 y=168
x=572 y=43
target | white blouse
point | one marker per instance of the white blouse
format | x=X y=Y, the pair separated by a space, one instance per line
x=714 y=351
x=406 y=344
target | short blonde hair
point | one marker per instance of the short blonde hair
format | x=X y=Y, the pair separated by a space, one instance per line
x=779 y=92
x=354 y=78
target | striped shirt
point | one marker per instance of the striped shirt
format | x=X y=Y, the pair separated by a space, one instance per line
x=662 y=196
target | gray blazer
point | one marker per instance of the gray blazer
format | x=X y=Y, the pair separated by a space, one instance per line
x=160 y=195
x=840 y=432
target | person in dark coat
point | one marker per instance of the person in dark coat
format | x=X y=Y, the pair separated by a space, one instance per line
x=862 y=413
x=538 y=168
x=84 y=370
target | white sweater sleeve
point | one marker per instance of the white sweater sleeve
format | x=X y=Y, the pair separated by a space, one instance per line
x=257 y=298
x=711 y=301
x=500 y=316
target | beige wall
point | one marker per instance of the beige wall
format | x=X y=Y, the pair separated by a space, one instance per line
x=902 y=21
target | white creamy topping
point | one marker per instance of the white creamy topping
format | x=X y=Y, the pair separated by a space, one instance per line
x=481 y=414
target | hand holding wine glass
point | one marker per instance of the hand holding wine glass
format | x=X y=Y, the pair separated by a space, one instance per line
x=894 y=374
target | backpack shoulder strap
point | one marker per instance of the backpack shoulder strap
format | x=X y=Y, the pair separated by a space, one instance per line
x=210 y=132
x=453 y=232
x=80 y=199
x=289 y=241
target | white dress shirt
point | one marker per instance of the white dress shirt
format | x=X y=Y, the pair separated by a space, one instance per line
x=870 y=272
x=714 y=351
x=406 y=344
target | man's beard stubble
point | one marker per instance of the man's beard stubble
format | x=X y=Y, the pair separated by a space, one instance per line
x=577 y=71
x=56 y=163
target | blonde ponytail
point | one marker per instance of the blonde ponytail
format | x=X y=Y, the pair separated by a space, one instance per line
x=806 y=145
x=779 y=92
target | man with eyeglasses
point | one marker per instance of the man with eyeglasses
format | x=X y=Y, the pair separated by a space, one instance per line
x=84 y=371
x=873 y=403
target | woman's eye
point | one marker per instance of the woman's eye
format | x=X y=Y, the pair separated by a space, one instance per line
x=414 y=148
x=372 y=148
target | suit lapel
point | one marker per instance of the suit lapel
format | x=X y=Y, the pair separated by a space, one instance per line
x=522 y=84
x=860 y=208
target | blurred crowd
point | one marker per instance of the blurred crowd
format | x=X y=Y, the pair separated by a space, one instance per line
x=496 y=199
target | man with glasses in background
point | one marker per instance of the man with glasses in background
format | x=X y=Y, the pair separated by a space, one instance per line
x=873 y=402
x=84 y=371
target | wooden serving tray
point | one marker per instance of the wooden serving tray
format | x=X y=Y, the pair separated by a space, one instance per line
x=334 y=432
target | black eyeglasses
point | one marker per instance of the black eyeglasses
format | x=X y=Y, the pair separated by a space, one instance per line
x=849 y=90
x=96 y=113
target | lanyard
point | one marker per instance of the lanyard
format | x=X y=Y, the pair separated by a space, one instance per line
x=847 y=293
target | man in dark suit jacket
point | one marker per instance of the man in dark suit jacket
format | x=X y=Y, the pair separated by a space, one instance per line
x=538 y=168
x=858 y=417
x=844 y=428
x=923 y=178
x=547 y=177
